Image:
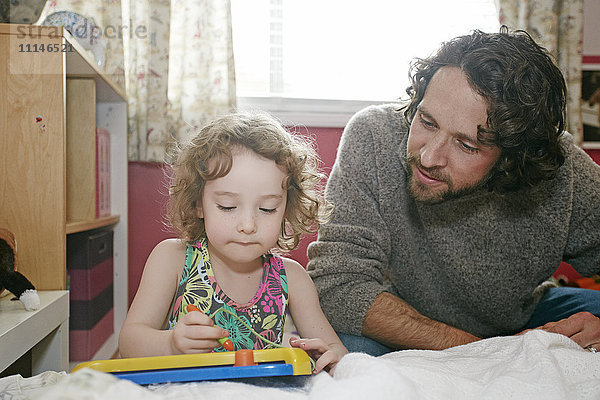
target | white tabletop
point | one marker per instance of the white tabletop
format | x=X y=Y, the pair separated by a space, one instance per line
x=21 y=330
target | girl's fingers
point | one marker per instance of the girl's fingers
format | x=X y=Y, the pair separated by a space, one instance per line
x=201 y=346
x=327 y=359
x=200 y=326
x=198 y=332
x=309 y=344
x=197 y=318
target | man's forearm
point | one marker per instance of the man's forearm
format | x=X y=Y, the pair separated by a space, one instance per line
x=391 y=321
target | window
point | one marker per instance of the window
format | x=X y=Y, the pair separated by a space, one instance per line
x=342 y=50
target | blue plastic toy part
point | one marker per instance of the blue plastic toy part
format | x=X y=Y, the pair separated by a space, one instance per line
x=205 y=373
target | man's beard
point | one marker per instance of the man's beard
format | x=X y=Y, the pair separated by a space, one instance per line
x=423 y=194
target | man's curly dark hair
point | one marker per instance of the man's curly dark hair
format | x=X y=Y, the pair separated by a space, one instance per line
x=526 y=95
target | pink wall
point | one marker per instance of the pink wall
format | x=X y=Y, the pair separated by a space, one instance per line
x=595 y=154
x=147 y=198
x=148 y=194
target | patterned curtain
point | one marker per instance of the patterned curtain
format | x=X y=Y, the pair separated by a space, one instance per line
x=180 y=75
x=174 y=58
x=558 y=26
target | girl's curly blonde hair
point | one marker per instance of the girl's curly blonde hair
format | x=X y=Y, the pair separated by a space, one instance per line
x=306 y=209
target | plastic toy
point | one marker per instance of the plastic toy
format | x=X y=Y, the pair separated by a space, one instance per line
x=207 y=366
x=279 y=361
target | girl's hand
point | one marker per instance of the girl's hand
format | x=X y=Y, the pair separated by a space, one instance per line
x=195 y=333
x=325 y=356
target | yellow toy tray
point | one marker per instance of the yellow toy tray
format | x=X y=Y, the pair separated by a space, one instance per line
x=206 y=366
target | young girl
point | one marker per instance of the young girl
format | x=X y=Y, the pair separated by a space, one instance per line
x=242 y=187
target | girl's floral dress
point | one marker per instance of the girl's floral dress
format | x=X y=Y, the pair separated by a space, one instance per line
x=265 y=312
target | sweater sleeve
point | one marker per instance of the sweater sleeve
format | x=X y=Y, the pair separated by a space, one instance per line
x=582 y=250
x=348 y=261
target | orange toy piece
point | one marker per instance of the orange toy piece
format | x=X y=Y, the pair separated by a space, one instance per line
x=244 y=358
x=225 y=342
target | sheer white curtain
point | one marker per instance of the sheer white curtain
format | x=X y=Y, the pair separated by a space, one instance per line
x=180 y=75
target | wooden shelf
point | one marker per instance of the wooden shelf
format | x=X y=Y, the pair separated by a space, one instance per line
x=33 y=144
x=80 y=226
x=81 y=64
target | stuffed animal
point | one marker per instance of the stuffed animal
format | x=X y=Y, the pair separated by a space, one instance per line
x=11 y=279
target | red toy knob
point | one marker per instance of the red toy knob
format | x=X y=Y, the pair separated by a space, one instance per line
x=244 y=358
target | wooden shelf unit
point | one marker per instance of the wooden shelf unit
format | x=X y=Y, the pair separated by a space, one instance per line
x=33 y=154
x=80 y=226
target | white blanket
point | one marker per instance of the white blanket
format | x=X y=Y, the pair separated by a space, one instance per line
x=537 y=365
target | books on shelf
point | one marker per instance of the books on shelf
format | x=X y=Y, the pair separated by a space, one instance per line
x=102 y=172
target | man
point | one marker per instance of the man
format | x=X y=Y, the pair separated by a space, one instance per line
x=452 y=210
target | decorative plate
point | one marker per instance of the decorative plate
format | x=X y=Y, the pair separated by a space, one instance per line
x=84 y=29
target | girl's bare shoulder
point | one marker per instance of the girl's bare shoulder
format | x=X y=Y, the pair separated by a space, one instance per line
x=294 y=269
x=171 y=246
x=168 y=252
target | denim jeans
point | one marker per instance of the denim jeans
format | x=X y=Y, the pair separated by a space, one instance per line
x=363 y=344
x=562 y=302
x=556 y=304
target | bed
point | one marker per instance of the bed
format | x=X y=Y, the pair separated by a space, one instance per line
x=536 y=365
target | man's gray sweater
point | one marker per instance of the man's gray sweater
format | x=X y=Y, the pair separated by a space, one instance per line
x=471 y=262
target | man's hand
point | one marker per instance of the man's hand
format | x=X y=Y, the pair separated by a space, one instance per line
x=583 y=328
